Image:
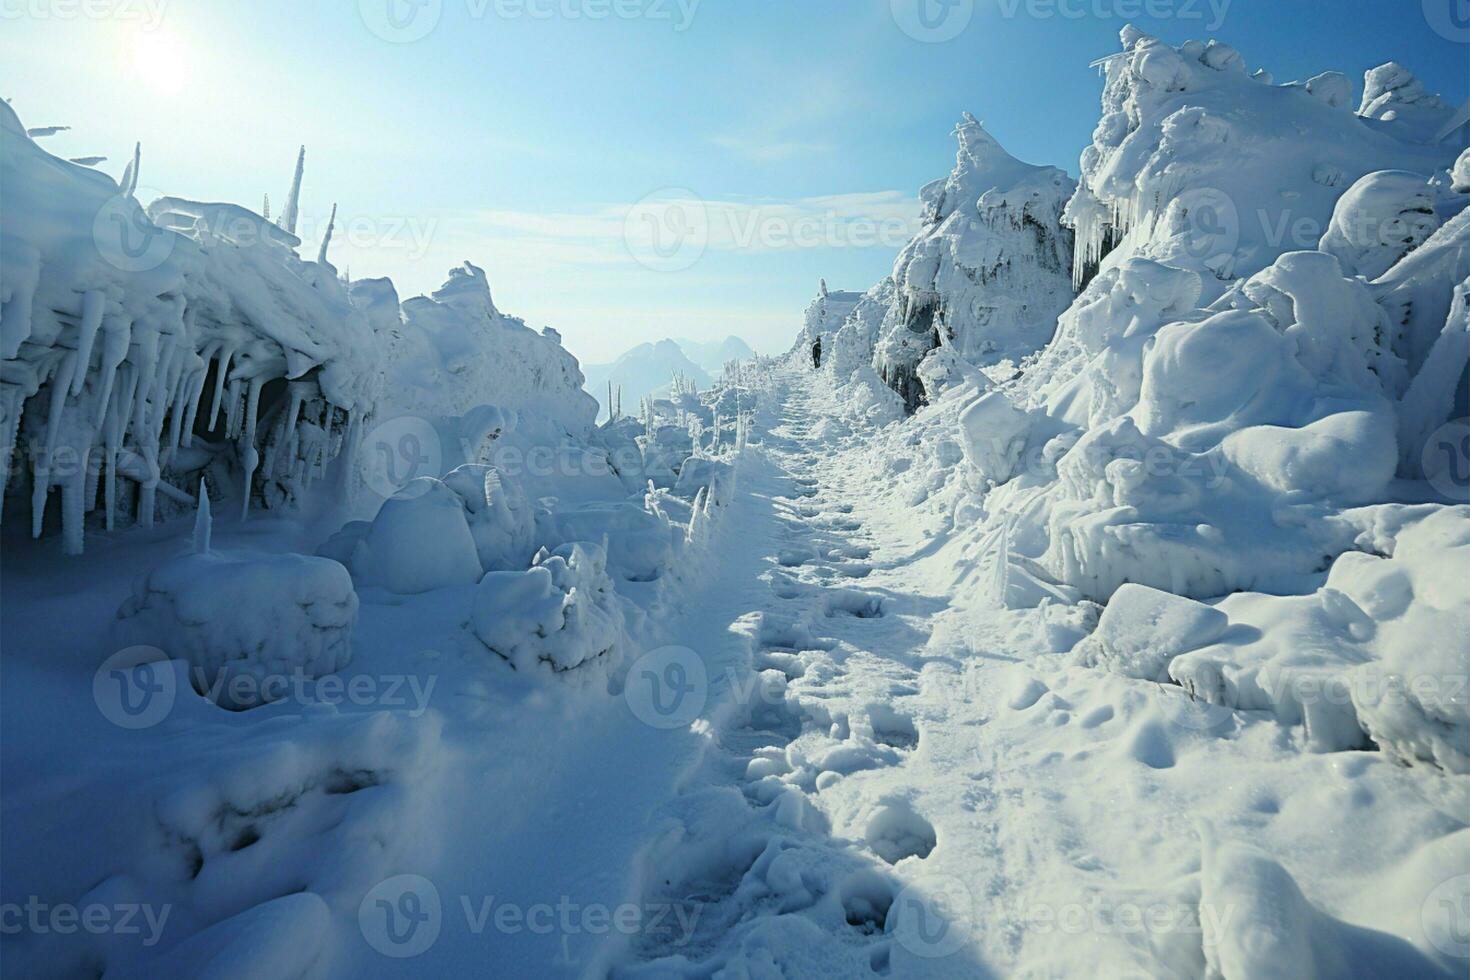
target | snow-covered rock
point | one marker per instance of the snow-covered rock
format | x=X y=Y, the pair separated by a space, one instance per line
x=419 y=541
x=562 y=612
x=1383 y=217
x=249 y=624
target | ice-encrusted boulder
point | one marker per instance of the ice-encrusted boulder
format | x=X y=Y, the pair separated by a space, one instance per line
x=250 y=624
x=988 y=273
x=562 y=612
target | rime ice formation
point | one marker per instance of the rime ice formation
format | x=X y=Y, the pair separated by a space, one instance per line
x=984 y=280
x=142 y=349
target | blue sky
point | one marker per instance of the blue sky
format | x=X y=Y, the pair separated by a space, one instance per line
x=519 y=133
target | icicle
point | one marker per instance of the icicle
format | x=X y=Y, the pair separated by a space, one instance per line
x=12 y=405
x=232 y=410
x=222 y=373
x=293 y=199
x=196 y=394
x=59 y=386
x=250 y=454
x=203 y=522
x=93 y=302
x=73 y=508
x=327 y=238
x=130 y=175
x=117 y=333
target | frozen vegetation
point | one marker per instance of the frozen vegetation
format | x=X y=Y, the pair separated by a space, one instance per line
x=1097 y=607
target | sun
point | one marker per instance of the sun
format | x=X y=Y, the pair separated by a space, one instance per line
x=161 y=61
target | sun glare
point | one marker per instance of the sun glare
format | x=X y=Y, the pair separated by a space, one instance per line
x=161 y=61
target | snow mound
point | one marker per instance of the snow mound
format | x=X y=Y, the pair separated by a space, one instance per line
x=1143 y=629
x=455 y=347
x=247 y=623
x=1273 y=931
x=1200 y=165
x=562 y=612
x=1381 y=218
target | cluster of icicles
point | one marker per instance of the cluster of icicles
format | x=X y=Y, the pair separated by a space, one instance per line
x=133 y=413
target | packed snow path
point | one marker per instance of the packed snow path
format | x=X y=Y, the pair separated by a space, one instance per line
x=779 y=851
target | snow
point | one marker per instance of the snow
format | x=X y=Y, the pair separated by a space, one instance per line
x=1089 y=611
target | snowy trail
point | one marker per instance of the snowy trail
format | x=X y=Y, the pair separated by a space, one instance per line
x=791 y=839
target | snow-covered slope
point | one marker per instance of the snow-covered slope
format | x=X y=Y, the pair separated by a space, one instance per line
x=983 y=281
